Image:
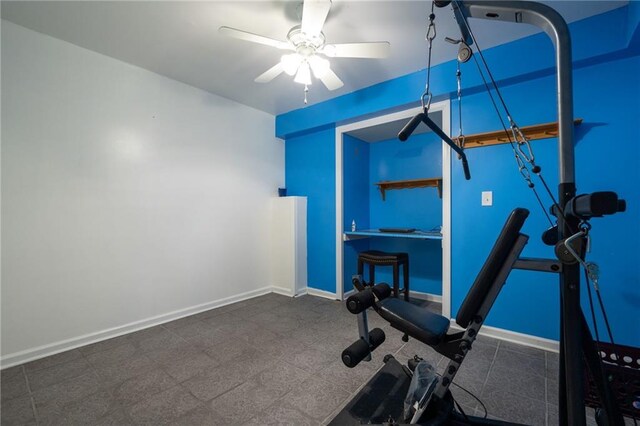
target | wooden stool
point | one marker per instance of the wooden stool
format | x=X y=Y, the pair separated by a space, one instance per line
x=379 y=258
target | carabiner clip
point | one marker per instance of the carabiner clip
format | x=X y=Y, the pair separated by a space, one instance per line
x=431 y=32
x=528 y=156
x=426 y=105
x=460 y=141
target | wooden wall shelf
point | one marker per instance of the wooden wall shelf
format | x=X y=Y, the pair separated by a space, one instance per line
x=411 y=183
x=538 y=131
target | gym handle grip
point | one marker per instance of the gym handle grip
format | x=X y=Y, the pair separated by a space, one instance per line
x=465 y=167
x=408 y=129
x=596 y=204
x=360 y=301
x=360 y=349
x=357 y=282
x=376 y=338
x=622 y=206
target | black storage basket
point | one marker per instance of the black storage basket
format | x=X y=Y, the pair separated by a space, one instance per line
x=625 y=375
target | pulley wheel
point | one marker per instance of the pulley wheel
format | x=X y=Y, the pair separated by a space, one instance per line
x=464 y=52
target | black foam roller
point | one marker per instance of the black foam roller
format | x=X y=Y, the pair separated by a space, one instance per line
x=360 y=301
x=355 y=353
x=376 y=338
x=382 y=291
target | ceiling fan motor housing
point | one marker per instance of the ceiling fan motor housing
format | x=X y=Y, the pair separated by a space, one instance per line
x=305 y=44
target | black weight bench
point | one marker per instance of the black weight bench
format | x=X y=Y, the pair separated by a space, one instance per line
x=430 y=328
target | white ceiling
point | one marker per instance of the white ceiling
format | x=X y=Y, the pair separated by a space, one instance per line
x=390 y=129
x=180 y=39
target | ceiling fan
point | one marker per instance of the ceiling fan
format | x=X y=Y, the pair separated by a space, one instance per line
x=309 y=47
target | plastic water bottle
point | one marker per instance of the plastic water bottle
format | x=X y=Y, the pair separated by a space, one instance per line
x=353 y=226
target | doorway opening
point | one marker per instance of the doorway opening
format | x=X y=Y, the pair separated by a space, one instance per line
x=367 y=152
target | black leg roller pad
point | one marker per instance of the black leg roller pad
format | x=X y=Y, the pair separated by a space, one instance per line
x=360 y=349
x=366 y=298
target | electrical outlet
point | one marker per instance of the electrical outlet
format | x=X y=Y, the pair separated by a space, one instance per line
x=487 y=198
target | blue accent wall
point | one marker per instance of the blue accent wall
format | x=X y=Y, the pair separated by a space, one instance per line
x=356 y=183
x=608 y=160
x=526 y=295
x=310 y=172
x=606 y=95
x=420 y=157
x=603 y=162
x=633 y=26
x=356 y=200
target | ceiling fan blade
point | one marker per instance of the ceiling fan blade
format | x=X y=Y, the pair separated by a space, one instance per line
x=331 y=80
x=270 y=74
x=379 y=49
x=247 y=36
x=314 y=13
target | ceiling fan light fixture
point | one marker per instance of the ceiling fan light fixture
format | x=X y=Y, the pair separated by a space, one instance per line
x=304 y=74
x=319 y=66
x=307 y=51
x=290 y=63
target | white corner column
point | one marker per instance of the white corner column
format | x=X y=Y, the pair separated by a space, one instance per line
x=288 y=257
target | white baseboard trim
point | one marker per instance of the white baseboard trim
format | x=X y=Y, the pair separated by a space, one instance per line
x=283 y=291
x=515 y=337
x=21 y=357
x=426 y=296
x=321 y=293
x=32 y=354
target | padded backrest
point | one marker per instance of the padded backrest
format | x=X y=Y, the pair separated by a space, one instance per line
x=485 y=279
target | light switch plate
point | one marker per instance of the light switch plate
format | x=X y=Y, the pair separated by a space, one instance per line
x=487 y=198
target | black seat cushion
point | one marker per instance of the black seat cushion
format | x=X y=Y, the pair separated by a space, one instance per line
x=417 y=322
x=378 y=257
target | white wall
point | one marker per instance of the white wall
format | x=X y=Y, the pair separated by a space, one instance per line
x=127 y=198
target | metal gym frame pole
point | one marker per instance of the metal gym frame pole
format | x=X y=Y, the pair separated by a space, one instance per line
x=571 y=385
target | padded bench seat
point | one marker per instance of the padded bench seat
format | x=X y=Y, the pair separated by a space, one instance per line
x=375 y=258
x=413 y=320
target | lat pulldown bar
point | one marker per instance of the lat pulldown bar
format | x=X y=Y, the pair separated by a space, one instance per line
x=408 y=129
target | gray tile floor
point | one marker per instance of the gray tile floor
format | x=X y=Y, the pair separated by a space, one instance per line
x=267 y=360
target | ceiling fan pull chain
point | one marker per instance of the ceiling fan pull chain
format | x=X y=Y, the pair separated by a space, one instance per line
x=425 y=99
x=306 y=90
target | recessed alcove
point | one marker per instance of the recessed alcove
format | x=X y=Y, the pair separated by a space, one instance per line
x=375 y=164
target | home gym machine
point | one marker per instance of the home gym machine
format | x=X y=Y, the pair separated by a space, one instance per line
x=381 y=400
